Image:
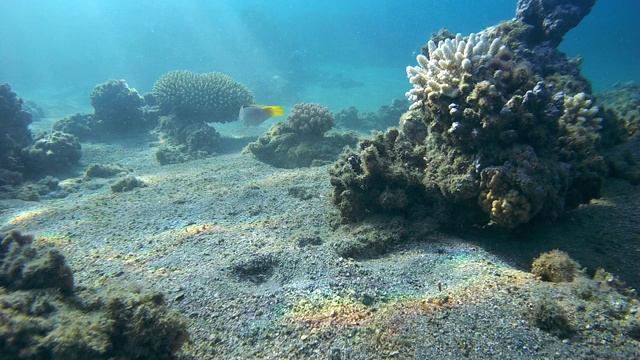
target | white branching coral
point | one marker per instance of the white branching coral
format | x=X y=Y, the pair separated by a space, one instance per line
x=580 y=112
x=449 y=65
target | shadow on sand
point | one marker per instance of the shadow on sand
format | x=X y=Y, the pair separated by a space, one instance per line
x=604 y=234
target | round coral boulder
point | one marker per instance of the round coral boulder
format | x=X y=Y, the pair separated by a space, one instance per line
x=312 y=120
x=117 y=107
x=52 y=153
x=555 y=266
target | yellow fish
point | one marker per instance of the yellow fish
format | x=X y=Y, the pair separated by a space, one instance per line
x=254 y=115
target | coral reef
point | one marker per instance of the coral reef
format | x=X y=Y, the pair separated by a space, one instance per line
x=52 y=153
x=187 y=102
x=386 y=116
x=301 y=141
x=210 y=97
x=386 y=166
x=119 y=111
x=23 y=157
x=14 y=135
x=489 y=129
x=44 y=317
x=117 y=107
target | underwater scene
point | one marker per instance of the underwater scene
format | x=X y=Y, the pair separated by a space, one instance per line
x=250 y=179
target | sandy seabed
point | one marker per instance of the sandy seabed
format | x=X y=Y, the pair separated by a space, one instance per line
x=247 y=253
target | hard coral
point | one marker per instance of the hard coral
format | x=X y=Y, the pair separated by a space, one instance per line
x=14 y=133
x=450 y=65
x=281 y=147
x=24 y=266
x=310 y=120
x=119 y=111
x=210 y=97
x=488 y=125
x=505 y=206
x=555 y=266
x=193 y=139
x=188 y=101
x=52 y=152
x=117 y=107
x=301 y=141
x=579 y=145
x=80 y=125
x=42 y=320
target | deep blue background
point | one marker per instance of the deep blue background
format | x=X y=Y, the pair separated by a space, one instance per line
x=60 y=48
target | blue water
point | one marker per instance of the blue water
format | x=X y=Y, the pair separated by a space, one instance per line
x=286 y=51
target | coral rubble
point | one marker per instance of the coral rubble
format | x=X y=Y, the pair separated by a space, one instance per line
x=105 y=170
x=45 y=317
x=25 y=267
x=127 y=184
x=302 y=140
x=554 y=313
